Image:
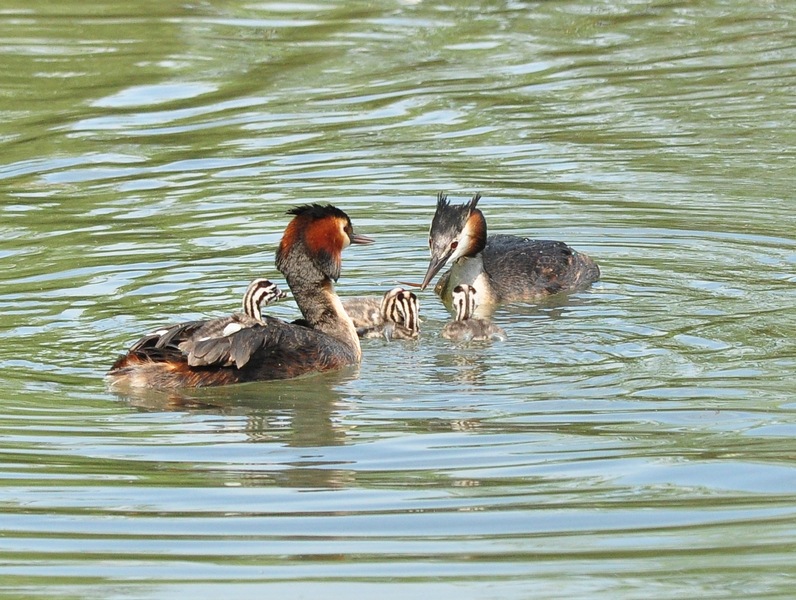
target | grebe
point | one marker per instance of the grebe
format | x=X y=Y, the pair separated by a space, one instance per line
x=465 y=328
x=505 y=268
x=205 y=339
x=394 y=316
x=309 y=256
x=261 y=292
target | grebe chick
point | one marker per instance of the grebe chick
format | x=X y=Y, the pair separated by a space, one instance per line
x=309 y=256
x=395 y=316
x=465 y=328
x=205 y=339
x=505 y=268
x=261 y=292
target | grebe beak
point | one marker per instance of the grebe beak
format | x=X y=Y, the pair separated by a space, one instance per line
x=437 y=262
x=356 y=238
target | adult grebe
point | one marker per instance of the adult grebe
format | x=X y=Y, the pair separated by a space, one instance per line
x=309 y=256
x=504 y=268
x=395 y=316
x=465 y=328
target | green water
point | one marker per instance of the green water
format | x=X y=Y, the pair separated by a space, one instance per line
x=635 y=440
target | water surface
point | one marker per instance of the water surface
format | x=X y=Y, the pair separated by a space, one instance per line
x=633 y=440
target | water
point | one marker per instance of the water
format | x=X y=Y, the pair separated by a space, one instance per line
x=634 y=440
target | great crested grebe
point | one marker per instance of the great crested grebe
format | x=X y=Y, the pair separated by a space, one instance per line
x=261 y=292
x=395 y=316
x=309 y=256
x=504 y=268
x=465 y=328
x=205 y=339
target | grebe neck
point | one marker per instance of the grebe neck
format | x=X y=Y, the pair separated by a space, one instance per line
x=468 y=270
x=322 y=309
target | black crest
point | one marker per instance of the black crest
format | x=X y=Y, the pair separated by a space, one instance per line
x=452 y=217
x=317 y=211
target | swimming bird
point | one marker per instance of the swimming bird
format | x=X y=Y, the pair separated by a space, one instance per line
x=205 y=339
x=464 y=327
x=504 y=268
x=394 y=316
x=309 y=256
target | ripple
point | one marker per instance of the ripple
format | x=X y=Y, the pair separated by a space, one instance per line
x=149 y=95
x=624 y=440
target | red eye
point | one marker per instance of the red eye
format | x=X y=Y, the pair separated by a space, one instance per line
x=454 y=245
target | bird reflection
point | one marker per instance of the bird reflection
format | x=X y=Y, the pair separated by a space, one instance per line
x=301 y=415
x=460 y=366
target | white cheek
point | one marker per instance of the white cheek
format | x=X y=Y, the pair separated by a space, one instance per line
x=460 y=249
x=346 y=239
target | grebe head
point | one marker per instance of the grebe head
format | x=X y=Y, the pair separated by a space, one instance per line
x=456 y=231
x=260 y=292
x=464 y=301
x=314 y=240
x=401 y=307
